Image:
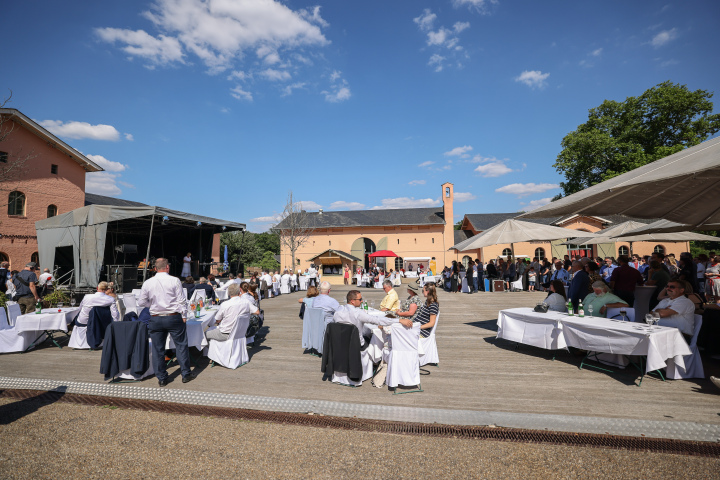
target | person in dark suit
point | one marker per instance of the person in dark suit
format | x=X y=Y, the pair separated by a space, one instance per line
x=189 y=285
x=579 y=285
x=209 y=291
x=480 y=272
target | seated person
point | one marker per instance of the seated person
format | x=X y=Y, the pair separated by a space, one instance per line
x=326 y=302
x=212 y=281
x=353 y=315
x=675 y=309
x=189 y=285
x=601 y=299
x=312 y=292
x=232 y=310
x=104 y=297
x=409 y=308
x=556 y=299
x=429 y=310
x=209 y=291
x=391 y=301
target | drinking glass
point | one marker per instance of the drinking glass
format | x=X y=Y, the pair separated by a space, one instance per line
x=72 y=301
x=649 y=319
x=623 y=313
x=590 y=310
x=656 y=318
x=60 y=304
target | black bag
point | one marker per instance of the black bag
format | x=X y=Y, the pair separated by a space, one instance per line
x=302 y=310
x=541 y=308
x=256 y=323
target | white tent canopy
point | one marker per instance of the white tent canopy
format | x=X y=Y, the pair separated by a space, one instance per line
x=606 y=236
x=85 y=230
x=683 y=187
x=514 y=231
x=666 y=226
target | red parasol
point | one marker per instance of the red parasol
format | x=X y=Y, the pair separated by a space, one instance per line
x=382 y=253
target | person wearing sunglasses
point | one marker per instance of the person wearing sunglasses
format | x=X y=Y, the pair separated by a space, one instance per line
x=675 y=309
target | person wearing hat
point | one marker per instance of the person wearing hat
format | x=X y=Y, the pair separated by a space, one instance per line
x=26 y=293
x=409 y=307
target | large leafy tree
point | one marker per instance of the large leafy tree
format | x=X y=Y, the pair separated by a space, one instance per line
x=621 y=136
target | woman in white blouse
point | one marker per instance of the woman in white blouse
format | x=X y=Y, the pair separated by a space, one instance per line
x=187 y=261
x=556 y=300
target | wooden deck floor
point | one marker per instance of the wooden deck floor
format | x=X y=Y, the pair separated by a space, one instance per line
x=477 y=372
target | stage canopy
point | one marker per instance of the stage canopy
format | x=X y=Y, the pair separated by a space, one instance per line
x=86 y=231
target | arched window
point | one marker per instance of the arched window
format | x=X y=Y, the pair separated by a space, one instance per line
x=623 y=250
x=466 y=261
x=659 y=249
x=16 y=203
x=507 y=252
x=540 y=253
x=35 y=258
x=4 y=257
x=398 y=263
x=52 y=211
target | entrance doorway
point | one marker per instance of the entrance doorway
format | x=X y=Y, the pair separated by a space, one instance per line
x=362 y=248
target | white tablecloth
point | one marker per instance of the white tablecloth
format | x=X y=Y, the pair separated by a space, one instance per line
x=48 y=319
x=196 y=329
x=221 y=294
x=554 y=330
x=523 y=325
x=411 y=274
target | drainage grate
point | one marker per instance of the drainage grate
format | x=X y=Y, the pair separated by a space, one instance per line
x=659 y=445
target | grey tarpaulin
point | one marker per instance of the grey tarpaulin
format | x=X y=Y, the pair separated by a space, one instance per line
x=85 y=230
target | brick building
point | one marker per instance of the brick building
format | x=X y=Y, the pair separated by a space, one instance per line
x=40 y=176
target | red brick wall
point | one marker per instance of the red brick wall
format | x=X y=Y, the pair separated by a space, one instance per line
x=66 y=190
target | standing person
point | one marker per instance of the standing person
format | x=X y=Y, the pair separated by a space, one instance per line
x=624 y=279
x=26 y=294
x=578 y=285
x=480 y=279
x=312 y=275
x=187 y=263
x=454 y=275
x=346 y=275
x=658 y=278
x=532 y=276
x=165 y=298
x=700 y=274
x=4 y=276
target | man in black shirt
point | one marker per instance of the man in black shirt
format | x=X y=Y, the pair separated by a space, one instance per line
x=4 y=276
x=27 y=295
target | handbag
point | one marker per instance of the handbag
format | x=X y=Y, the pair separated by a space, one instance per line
x=541 y=308
x=256 y=323
x=302 y=311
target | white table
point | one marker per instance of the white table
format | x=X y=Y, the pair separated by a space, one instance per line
x=303 y=282
x=47 y=321
x=196 y=329
x=523 y=325
x=555 y=330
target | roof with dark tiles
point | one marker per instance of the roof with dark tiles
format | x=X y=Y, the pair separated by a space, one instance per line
x=95 y=199
x=376 y=218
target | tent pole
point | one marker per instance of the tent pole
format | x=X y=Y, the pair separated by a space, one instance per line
x=147 y=254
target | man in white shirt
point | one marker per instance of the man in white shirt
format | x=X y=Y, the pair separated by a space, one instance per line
x=676 y=310
x=326 y=302
x=312 y=275
x=231 y=280
x=230 y=313
x=166 y=299
x=268 y=282
x=97 y=299
x=45 y=277
x=351 y=314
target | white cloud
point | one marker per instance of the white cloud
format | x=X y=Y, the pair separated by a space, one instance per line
x=669 y=63
x=275 y=75
x=158 y=51
x=341 y=205
x=219 y=32
x=102 y=183
x=459 y=152
x=537 y=203
x=464 y=197
x=241 y=94
x=339 y=91
x=125 y=184
x=238 y=74
x=524 y=189
x=270 y=219
x=407 y=202
x=493 y=169
x=664 y=37
x=129 y=137
x=416 y=182
x=81 y=130
x=597 y=52
x=287 y=90
x=480 y=6
x=426 y=164
x=533 y=78
x=442 y=40
x=308 y=205
x=107 y=165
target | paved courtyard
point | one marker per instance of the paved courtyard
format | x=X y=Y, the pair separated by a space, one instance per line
x=476 y=372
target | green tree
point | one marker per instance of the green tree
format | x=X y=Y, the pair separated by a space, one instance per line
x=268 y=262
x=621 y=136
x=268 y=242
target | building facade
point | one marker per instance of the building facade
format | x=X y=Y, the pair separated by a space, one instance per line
x=40 y=176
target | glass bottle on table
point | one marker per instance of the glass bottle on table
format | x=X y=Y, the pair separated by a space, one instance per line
x=570 y=308
x=38 y=307
x=581 y=311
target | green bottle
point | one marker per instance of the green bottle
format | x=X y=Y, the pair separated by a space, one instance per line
x=38 y=307
x=197 y=310
x=570 y=308
x=581 y=311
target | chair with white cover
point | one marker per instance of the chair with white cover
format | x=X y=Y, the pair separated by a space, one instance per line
x=402 y=358
x=127 y=374
x=4 y=325
x=614 y=313
x=198 y=295
x=13 y=310
x=284 y=285
x=130 y=303
x=78 y=338
x=366 y=361
x=693 y=362
x=381 y=279
x=232 y=353
x=428 y=347
x=313 y=333
x=516 y=286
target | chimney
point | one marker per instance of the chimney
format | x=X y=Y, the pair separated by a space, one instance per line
x=320 y=211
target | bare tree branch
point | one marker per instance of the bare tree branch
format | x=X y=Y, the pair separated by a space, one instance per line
x=295 y=226
x=12 y=164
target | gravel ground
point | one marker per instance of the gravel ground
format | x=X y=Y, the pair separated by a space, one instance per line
x=100 y=442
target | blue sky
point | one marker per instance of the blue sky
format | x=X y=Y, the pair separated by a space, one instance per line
x=220 y=107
